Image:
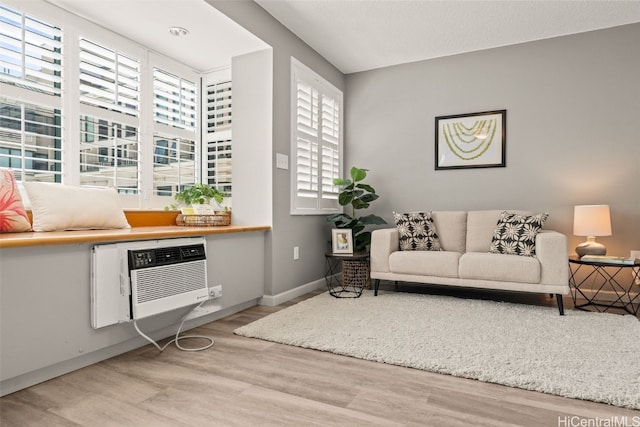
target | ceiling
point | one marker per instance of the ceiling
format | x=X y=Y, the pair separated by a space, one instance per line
x=212 y=41
x=354 y=35
x=358 y=35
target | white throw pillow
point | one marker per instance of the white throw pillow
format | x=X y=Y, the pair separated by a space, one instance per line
x=58 y=207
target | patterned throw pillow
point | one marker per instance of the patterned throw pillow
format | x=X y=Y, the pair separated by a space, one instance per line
x=417 y=232
x=516 y=234
x=13 y=217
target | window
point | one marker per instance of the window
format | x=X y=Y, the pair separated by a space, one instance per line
x=174 y=164
x=109 y=155
x=125 y=118
x=30 y=52
x=30 y=141
x=30 y=113
x=316 y=145
x=109 y=136
x=217 y=133
x=175 y=143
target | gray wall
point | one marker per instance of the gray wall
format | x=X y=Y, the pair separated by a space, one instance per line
x=310 y=233
x=572 y=103
x=573 y=114
x=45 y=312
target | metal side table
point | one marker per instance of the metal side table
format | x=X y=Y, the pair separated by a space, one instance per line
x=355 y=274
x=605 y=285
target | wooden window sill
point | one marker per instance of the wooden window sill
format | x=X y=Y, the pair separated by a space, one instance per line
x=144 y=225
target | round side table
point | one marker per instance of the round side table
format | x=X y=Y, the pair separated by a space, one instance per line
x=355 y=274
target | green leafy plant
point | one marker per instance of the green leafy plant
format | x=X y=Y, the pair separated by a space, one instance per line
x=198 y=194
x=358 y=195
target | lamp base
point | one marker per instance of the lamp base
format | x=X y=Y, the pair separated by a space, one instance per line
x=591 y=247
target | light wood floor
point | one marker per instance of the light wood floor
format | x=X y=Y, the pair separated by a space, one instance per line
x=248 y=382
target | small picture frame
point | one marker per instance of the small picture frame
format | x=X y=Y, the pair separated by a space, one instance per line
x=342 y=241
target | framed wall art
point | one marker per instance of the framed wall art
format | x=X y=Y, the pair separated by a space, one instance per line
x=475 y=140
x=342 y=239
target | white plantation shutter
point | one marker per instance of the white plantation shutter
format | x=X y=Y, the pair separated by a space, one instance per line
x=109 y=79
x=307 y=121
x=30 y=52
x=218 y=136
x=177 y=155
x=316 y=142
x=219 y=107
x=175 y=100
x=330 y=137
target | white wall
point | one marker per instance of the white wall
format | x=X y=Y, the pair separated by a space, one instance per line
x=573 y=106
x=252 y=138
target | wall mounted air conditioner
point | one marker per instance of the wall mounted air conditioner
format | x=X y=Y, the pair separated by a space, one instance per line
x=134 y=280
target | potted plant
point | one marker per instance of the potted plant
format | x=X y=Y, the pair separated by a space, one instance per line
x=358 y=195
x=198 y=197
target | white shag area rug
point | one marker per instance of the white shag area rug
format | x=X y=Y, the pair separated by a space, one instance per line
x=582 y=355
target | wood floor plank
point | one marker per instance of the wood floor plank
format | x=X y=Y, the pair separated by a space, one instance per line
x=249 y=382
x=99 y=411
x=16 y=411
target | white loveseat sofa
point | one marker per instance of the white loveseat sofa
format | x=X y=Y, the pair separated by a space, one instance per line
x=465 y=260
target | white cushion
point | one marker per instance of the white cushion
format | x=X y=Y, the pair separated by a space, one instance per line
x=425 y=263
x=499 y=268
x=57 y=207
x=451 y=227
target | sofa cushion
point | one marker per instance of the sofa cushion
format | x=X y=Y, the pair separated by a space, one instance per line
x=481 y=225
x=452 y=229
x=13 y=217
x=416 y=231
x=425 y=263
x=498 y=267
x=516 y=234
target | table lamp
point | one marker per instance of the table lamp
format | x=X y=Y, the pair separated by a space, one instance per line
x=591 y=221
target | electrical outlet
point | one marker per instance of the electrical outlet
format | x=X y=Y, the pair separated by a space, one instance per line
x=215 y=291
x=282 y=161
x=296 y=253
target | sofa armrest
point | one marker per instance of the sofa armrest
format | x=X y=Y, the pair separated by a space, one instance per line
x=551 y=251
x=384 y=241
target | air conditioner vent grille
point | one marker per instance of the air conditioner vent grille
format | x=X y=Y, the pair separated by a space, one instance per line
x=175 y=279
x=167 y=255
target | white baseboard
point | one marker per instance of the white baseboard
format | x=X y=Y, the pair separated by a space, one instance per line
x=273 y=300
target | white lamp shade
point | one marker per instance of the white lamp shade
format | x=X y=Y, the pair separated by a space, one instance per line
x=592 y=220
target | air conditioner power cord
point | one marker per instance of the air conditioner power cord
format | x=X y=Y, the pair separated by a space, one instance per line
x=178 y=338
